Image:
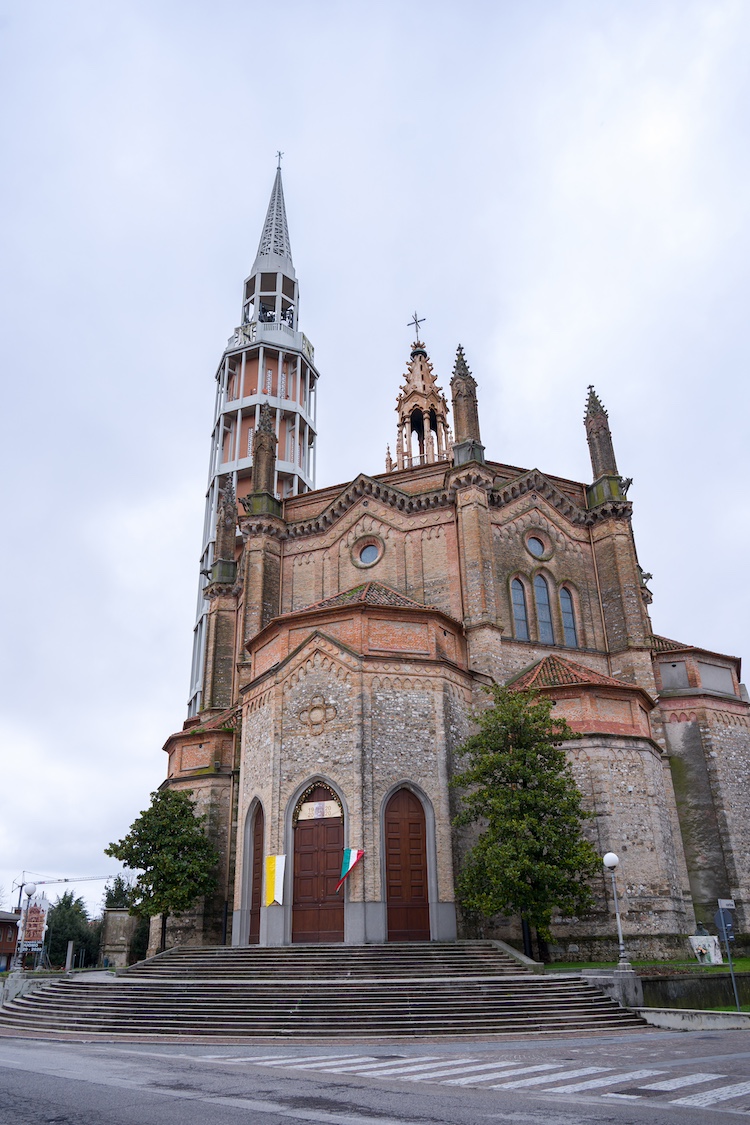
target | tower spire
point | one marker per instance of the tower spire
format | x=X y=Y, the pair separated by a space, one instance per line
x=264 y=433
x=598 y=435
x=422 y=413
x=274 y=239
x=468 y=444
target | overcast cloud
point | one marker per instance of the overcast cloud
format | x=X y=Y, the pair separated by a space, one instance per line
x=561 y=187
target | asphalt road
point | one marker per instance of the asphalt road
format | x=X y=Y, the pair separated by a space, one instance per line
x=648 y=1078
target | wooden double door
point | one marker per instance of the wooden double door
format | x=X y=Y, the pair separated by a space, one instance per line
x=317 y=911
x=407 y=893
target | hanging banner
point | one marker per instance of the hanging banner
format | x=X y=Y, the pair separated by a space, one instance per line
x=35 y=923
x=352 y=856
x=275 y=865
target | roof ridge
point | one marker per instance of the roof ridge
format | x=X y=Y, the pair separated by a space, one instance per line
x=372 y=593
x=554 y=670
x=665 y=644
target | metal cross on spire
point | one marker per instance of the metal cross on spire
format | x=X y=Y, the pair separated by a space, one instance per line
x=416 y=321
x=279 y=155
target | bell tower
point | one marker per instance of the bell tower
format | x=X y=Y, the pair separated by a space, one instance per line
x=423 y=435
x=267 y=361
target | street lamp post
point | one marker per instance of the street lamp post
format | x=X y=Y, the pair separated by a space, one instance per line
x=611 y=861
x=29 y=889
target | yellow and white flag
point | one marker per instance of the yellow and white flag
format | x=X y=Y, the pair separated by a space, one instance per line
x=275 y=865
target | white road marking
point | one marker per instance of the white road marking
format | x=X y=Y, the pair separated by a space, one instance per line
x=709 y=1097
x=498 y=1073
x=292 y=1060
x=610 y=1080
x=276 y=1059
x=375 y=1068
x=408 y=1066
x=540 y=1078
x=471 y=1071
x=323 y=1063
x=683 y=1080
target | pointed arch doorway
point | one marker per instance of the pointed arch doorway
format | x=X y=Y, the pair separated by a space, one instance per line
x=256 y=877
x=407 y=894
x=317 y=911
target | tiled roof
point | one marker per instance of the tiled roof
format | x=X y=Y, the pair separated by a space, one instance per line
x=370 y=593
x=554 y=671
x=663 y=644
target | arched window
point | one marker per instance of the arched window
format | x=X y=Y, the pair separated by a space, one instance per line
x=520 y=616
x=543 y=611
x=568 y=618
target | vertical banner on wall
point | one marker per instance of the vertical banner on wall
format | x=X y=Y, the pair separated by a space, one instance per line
x=275 y=865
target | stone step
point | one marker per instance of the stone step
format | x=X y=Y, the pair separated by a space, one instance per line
x=334 y=961
x=326 y=991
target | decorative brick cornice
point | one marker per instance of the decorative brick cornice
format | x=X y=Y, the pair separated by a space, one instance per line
x=612 y=510
x=220 y=590
x=262 y=525
x=472 y=474
x=536 y=482
x=365 y=486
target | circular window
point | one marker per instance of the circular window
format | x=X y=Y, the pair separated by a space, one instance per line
x=536 y=546
x=367 y=551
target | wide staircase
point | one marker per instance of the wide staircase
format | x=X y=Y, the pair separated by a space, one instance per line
x=320 y=992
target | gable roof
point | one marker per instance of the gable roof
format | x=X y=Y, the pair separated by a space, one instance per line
x=369 y=593
x=663 y=644
x=555 y=671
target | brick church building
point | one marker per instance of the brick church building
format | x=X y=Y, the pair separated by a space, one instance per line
x=344 y=634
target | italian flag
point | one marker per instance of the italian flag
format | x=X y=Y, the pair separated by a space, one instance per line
x=352 y=856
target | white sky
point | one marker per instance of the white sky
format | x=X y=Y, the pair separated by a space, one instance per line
x=562 y=187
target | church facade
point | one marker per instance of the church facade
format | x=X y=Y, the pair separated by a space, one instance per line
x=345 y=634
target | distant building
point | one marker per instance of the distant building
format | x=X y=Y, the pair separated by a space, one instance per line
x=344 y=633
x=8 y=938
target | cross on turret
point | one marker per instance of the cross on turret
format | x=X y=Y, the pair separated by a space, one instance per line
x=416 y=321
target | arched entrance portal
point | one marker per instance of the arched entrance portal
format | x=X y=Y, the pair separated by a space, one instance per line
x=317 y=912
x=256 y=878
x=407 y=895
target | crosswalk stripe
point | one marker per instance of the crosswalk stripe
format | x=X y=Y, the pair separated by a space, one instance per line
x=327 y=1063
x=290 y=1060
x=501 y=1073
x=683 y=1080
x=409 y=1068
x=540 y=1078
x=460 y=1065
x=708 y=1097
x=609 y=1080
x=253 y=1058
x=373 y=1069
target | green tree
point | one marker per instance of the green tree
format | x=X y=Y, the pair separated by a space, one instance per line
x=517 y=785
x=174 y=858
x=68 y=920
x=118 y=894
